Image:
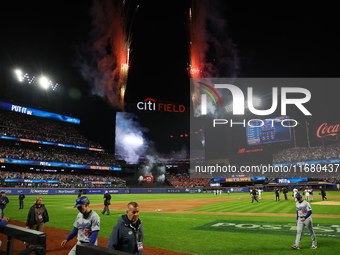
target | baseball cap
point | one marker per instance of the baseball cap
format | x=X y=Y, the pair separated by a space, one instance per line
x=298 y=195
x=81 y=201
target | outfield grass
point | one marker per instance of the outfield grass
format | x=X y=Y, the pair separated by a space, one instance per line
x=266 y=205
x=195 y=234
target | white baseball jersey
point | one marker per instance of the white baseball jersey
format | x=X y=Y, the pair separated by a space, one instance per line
x=86 y=226
x=307 y=192
x=302 y=208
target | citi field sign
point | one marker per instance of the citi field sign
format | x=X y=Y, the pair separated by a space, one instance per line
x=150 y=104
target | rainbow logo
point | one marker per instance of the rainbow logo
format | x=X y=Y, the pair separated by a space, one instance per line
x=210 y=91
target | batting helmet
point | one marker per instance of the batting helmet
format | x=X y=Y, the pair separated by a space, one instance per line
x=81 y=201
x=298 y=195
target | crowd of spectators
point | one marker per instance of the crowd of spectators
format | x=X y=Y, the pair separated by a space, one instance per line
x=65 y=180
x=299 y=154
x=184 y=181
x=61 y=155
x=42 y=129
x=315 y=177
x=334 y=180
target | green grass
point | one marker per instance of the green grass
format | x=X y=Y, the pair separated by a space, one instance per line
x=265 y=206
x=178 y=231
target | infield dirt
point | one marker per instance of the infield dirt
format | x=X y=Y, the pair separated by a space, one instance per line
x=180 y=205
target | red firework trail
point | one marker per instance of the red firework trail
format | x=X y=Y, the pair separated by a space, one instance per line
x=112 y=50
x=197 y=45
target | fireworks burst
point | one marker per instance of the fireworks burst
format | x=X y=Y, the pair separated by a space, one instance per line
x=197 y=45
x=204 y=42
x=105 y=61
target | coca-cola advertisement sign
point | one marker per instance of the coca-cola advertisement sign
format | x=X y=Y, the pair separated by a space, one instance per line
x=328 y=131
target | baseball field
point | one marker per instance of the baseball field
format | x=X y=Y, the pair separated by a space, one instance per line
x=200 y=223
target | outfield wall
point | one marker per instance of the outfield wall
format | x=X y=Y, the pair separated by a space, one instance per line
x=53 y=191
x=37 y=191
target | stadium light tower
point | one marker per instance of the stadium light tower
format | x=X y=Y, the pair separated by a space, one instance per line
x=24 y=77
x=35 y=91
x=43 y=81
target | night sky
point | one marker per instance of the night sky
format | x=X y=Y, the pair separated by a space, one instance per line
x=271 y=41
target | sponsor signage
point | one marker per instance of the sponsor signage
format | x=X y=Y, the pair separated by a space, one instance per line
x=240 y=179
x=328 y=131
x=244 y=150
x=150 y=104
x=57 y=164
x=292 y=180
x=49 y=143
x=32 y=181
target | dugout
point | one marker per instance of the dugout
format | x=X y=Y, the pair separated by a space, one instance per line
x=85 y=248
x=36 y=238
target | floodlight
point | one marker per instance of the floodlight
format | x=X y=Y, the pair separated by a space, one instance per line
x=18 y=72
x=55 y=87
x=30 y=79
x=19 y=75
x=44 y=82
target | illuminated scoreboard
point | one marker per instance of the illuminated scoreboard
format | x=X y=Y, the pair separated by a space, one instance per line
x=268 y=131
x=38 y=113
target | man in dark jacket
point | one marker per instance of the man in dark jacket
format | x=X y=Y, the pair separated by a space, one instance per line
x=3 y=202
x=128 y=234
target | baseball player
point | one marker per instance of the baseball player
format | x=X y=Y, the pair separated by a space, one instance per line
x=307 y=193
x=86 y=225
x=277 y=195
x=260 y=193
x=303 y=218
x=295 y=191
x=310 y=190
